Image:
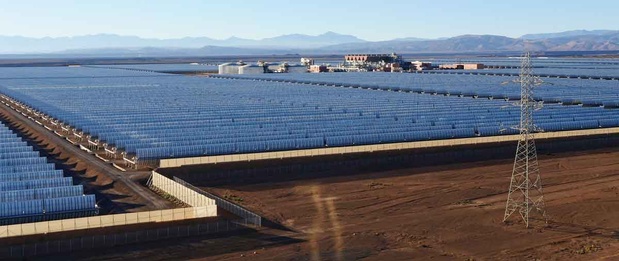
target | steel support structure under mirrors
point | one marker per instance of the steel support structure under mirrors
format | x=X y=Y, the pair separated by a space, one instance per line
x=525 y=190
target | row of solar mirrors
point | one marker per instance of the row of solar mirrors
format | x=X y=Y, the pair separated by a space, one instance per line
x=32 y=190
x=565 y=91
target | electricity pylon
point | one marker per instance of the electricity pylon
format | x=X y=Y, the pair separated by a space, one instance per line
x=525 y=190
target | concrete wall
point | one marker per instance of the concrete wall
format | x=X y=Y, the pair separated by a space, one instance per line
x=106 y=221
x=42 y=246
x=202 y=206
x=177 y=162
x=181 y=192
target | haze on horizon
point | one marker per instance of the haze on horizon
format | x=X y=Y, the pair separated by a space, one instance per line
x=368 y=20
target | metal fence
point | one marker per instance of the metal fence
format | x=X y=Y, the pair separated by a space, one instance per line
x=247 y=216
x=79 y=243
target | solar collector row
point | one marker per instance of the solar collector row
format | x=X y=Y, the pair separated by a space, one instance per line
x=31 y=189
x=166 y=115
x=27 y=168
x=37 y=183
x=41 y=193
x=457 y=83
x=46 y=206
x=19 y=176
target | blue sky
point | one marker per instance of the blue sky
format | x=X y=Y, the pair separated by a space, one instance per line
x=370 y=20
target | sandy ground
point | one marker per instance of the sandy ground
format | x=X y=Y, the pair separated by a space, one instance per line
x=443 y=213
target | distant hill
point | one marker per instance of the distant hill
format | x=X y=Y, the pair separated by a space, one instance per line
x=465 y=43
x=305 y=41
x=327 y=43
x=412 y=39
x=567 y=34
x=170 y=52
x=486 y=43
x=19 y=44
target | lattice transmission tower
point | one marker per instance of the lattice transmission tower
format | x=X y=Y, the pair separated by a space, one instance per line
x=525 y=190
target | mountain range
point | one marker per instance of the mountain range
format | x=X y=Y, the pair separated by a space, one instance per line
x=566 y=34
x=20 y=44
x=490 y=43
x=327 y=43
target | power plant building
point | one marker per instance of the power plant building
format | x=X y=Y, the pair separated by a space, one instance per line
x=260 y=68
x=230 y=68
x=462 y=66
x=316 y=68
x=372 y=58
x=421 y=66
x=297 y=68
x=252 y=69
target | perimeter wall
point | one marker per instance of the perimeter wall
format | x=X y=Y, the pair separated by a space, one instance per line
x=178 y=162
x=68 y=235
x=201 y=207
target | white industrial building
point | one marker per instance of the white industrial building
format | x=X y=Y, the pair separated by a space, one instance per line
x=230 y=68
x=242 y=68
x=252 y=69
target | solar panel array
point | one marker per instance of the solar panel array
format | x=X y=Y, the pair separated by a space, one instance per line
x=537 y=62
x=572 y=68
x=557 y=90
x=156 y=117
x=67 y=72
x=163 y=68
x=607 y=72
x=31 y=189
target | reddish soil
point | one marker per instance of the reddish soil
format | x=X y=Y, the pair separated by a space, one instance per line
x=444 y=213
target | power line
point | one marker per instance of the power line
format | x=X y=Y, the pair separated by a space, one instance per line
x=525 y=190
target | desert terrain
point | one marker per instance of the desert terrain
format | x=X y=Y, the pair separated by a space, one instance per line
x=449 y=212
